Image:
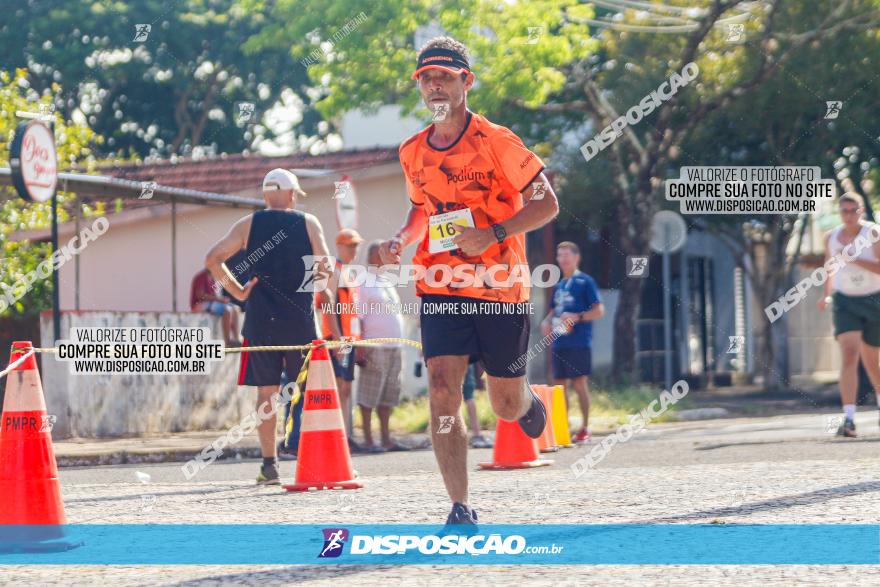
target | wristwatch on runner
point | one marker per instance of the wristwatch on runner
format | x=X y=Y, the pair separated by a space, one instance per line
x=500 y=233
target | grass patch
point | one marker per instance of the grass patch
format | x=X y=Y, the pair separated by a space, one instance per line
x=610 y=407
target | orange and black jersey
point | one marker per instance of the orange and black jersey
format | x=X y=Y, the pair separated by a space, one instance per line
x=485 y=170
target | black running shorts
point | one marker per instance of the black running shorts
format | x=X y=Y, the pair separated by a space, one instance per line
x=265 y=367
x=857 y=313
x=495 y=332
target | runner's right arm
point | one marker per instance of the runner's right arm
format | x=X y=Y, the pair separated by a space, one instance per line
x=234 y=241
x=413 y=230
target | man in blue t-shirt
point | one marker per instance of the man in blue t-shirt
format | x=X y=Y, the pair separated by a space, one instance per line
x=576 y=303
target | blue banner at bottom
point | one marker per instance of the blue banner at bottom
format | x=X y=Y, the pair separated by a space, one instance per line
x=628 y=544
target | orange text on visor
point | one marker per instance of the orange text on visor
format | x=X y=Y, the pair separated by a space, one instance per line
x=438 y=58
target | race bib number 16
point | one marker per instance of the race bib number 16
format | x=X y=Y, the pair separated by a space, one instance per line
x=442 y=228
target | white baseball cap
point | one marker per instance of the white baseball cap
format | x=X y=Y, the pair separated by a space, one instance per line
x=280 y=179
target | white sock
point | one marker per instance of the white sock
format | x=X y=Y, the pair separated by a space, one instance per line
x=849 y=411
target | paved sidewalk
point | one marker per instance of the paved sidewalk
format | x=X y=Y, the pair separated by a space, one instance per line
x=182 y=446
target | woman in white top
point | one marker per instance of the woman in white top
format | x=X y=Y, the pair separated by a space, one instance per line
x=854 y=247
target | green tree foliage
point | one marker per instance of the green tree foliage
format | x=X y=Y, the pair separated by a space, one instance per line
x=176 y=89
x=371 y=66
x=74 y=145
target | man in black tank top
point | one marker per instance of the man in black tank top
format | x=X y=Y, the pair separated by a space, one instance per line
x=286 y=255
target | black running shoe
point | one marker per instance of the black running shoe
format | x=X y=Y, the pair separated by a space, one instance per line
x=461 y=515
x=268 y=476
x=535 y=419
x=847 y=429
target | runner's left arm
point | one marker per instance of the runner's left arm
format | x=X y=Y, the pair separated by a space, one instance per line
x=541 y=207
x=537 y=211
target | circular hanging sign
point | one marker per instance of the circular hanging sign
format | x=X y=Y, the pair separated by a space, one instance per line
x=33 y=161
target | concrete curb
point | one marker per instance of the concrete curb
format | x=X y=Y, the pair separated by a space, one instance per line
x=133 y=457
x=74 y=455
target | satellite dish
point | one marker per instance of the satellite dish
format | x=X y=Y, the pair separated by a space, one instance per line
x=668 y=232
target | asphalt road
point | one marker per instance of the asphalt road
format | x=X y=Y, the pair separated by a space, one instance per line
x=784 y=469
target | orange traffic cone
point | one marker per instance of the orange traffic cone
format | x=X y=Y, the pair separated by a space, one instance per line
x=323 y=461
x=31 y=510
x=513 y=449
x=547 y=440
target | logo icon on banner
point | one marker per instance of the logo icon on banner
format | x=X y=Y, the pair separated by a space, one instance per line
x=245 y=111
x=46 y=111
x=318 y=272
x=334 y=540
x=147 y=188
x=48 y=422
x=637 y=266
x=141 y=32
x=535 y=33
x=346 y=345
x=735 y=33
x=538 y=190
x=832 y=109
x=446 y=423
x=735 y=344
x=832 y=423
x=147 y=502
x=440 y=112
x=342 y=189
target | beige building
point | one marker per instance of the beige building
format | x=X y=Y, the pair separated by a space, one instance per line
x=146 y=263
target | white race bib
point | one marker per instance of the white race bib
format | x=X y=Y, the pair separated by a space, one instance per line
x=442 y=228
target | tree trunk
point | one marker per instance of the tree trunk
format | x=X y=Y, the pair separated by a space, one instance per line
x=769 y=337
x=635 y=222
x=628 y=308
x=765 y=349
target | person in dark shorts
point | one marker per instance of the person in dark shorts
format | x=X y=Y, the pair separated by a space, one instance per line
x=576 y=304
x=472 y=189
x=854 y=247
x=288 y=261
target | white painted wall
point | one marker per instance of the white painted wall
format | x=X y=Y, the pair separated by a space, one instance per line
x=129 y=267
x=387 y=127
x=110 y=405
